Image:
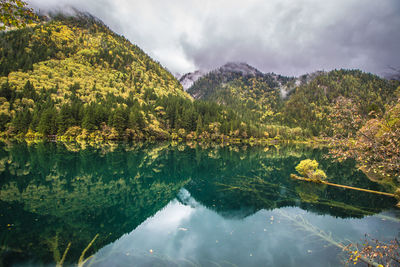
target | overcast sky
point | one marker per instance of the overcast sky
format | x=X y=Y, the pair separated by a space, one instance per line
x=290 y=37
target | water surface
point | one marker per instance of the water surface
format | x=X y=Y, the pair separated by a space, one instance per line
x=169 y=204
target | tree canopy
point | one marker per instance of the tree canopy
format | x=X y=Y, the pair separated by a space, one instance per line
x=15 y=13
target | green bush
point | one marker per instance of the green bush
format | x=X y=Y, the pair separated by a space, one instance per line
x=309 y=169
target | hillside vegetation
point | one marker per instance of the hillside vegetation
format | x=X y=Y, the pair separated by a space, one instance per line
x=305 y=102
x=73 y=76
x=310 y=104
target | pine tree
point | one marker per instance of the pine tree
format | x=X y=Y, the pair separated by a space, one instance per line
x=5 y=91
x=21 y=121
x=119 y=120
x=47 y=123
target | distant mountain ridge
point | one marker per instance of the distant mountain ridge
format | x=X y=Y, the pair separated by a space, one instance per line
x=187 y=80
x=205 y=84
x=245 y=89
x=270 y=98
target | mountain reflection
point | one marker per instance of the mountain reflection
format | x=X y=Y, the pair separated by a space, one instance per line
x=53 y=194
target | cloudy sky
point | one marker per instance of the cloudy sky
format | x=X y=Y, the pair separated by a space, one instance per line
x=290 y=37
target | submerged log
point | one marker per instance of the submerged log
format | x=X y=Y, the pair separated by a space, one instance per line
x=293 y=176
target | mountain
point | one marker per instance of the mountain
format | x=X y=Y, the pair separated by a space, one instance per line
x=208 y=84
x=71 y=76
x=250 y=92
x=231 y=70
x=188 y=79
x=81 y=47
x=304 y=102
x=70 y=64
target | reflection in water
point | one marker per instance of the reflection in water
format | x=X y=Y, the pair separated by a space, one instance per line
x=182 y=235
x=51 y=195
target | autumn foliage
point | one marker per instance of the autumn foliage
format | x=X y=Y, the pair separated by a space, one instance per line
x=374 y=140
x=309 y=169
x=15 y=13
x=385 y=254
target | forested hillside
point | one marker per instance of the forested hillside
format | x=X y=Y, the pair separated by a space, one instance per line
x=310 y=104
x=251 y=92
x=253 y=95
x=304 y=103
x=73 y=76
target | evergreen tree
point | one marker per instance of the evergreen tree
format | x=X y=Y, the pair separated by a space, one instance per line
x=47 y=123
x=6 y=91
x=22 y=120
x=119 y=119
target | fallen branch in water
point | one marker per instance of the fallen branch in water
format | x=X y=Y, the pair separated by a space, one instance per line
x=293 y=176
x=397 y=195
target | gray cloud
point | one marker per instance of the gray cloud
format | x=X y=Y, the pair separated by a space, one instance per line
x=290 y=37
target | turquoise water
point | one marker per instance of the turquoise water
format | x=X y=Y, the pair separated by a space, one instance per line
x=166 y=204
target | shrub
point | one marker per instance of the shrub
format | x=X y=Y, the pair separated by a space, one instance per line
x=309 y=169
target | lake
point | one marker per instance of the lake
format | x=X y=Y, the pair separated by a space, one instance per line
x=176 y=204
